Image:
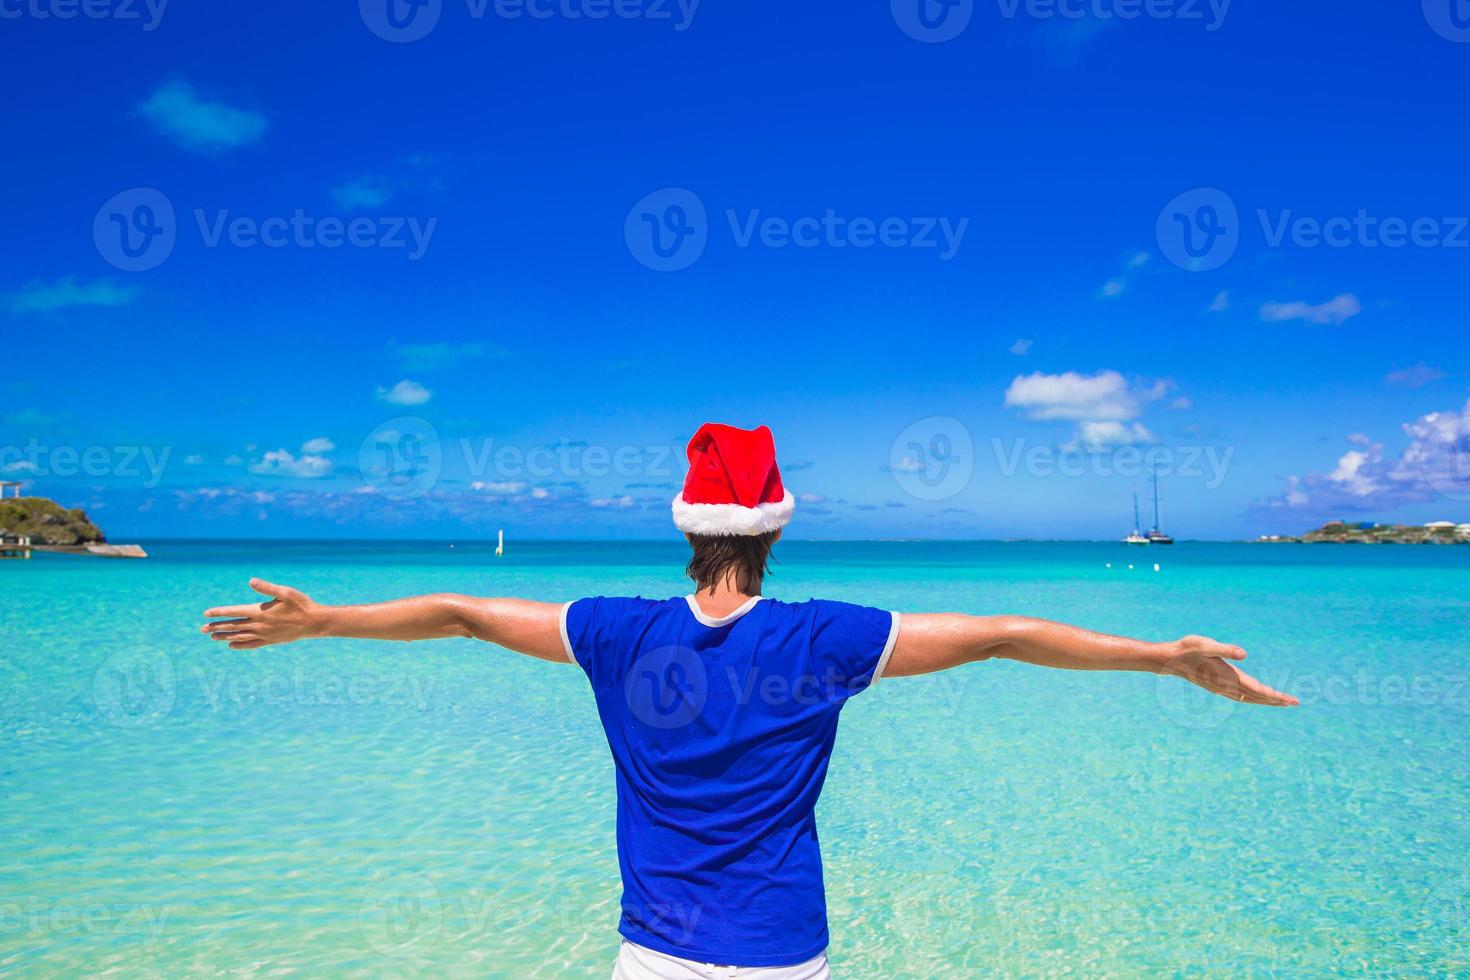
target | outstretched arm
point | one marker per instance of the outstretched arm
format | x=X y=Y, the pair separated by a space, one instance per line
x=930 y=642
x=532 y=628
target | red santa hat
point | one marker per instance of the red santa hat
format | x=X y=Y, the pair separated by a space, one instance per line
x=733 y=486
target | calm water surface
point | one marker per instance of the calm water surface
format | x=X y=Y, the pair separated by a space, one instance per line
x=168 y=807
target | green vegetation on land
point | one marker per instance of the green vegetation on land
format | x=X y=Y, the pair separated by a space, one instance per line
x=47 y=522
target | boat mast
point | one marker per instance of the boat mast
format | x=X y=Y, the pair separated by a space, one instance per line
x=1157 y=525
x=1137 y=524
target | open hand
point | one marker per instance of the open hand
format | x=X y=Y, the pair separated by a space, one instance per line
x=289 y=615
x=1208 y=663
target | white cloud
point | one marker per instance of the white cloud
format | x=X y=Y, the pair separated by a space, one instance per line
x=1100 y=403
x=1113 y=288
x=193 y=460
x=1435 y=463
x=810 y=498
x=405 y=393
x=1417 y=376
x=282 y=462
x=1339 y=309
x=321 y=444
x=1181 y=403
x=43 y=298
x=1221 y=303
x=440 y=354
x=177 y=111
x=366 y=191
x=622 y=502
x=1138 y=259
x=540 y=493
x=908 y=464
x=1099 y=436
x=500 y=487
x=1104 y=396
x=1020 y=348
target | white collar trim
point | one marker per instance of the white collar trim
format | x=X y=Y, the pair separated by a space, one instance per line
x=707 y=620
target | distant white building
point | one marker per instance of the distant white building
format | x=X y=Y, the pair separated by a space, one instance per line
x=1442 y=525
x=1463 y=530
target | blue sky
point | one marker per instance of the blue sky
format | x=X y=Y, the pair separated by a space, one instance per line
x=316 y=270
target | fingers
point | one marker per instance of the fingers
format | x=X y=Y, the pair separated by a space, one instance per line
x=221 y=612
x=282 y=592
x=247 y=644
x=1257 y=693
x=235 y=637
x=1219 y=676
x=226 y=624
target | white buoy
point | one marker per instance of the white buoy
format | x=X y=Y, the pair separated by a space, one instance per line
x=1156 y=566
x=1130 y=568
x=1108 y=565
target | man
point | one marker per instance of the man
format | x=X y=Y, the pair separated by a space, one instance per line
x=721 y=708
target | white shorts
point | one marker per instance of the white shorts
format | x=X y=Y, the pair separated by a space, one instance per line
x=641 y=963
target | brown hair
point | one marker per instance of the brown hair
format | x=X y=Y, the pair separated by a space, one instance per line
x=745 y=557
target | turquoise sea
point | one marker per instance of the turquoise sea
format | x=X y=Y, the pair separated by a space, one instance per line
x=170 y=808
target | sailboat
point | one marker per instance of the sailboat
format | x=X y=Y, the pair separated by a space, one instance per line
x=1155 y=534
x=500 y=543
x=1134 y=536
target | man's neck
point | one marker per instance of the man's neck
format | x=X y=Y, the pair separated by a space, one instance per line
x=726 y=597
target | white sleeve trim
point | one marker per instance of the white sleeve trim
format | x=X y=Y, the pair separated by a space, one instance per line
x=887 y=651
x=566 y=640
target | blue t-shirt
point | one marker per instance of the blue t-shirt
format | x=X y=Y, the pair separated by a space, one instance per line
x=721 y=730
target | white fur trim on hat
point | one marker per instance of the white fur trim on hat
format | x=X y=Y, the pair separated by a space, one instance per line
x=732 y=519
